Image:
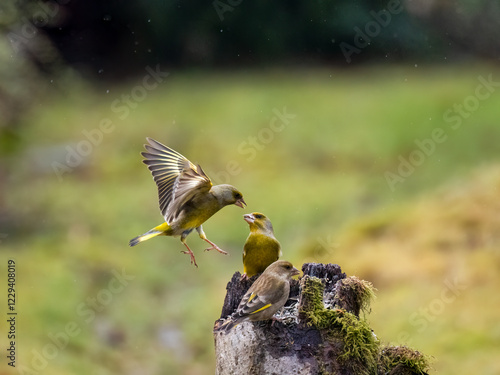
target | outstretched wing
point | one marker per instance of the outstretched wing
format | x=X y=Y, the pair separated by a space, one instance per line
x=178 y=179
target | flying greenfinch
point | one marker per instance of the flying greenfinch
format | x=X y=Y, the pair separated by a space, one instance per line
x=186 y=194
x=265 y=297
x=261 y=247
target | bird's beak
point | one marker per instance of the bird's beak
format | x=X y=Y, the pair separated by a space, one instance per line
x=295 y=271
x=240 y=202
x=249 y=218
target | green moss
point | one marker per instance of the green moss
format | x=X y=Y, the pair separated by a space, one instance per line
x=311 y=308
x=412 y=361
x=360 y=347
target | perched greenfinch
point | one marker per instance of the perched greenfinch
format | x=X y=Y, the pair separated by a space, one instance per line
x=265 y=297
x=261 y=247
x=186 y=194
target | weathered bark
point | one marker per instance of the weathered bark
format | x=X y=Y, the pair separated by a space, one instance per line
x=319 y=331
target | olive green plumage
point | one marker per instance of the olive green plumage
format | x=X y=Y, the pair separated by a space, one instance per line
x=261 y=247
x=186 y=196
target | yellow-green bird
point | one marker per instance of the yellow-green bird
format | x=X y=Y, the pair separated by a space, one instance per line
x=261 y=247
x=265 y=297
x=186 y=194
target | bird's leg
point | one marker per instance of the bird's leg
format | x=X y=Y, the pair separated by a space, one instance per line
x=204 y=238
x=189 y=251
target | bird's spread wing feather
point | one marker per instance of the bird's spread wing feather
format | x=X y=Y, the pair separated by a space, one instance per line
x=178 y=179
x=191 y=182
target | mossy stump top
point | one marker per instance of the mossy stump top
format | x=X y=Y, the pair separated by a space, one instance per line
x=321 y=330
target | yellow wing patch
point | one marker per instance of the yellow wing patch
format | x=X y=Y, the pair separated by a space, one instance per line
x=262 y=308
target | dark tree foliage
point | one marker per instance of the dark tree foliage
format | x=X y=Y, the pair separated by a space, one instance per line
x=113 y=38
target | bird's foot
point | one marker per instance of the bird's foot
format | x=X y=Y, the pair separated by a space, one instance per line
x=215 y=247
x=193 y=259
x=191 y=254
x=244 y=277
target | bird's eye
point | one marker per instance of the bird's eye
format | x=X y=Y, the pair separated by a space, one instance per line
x=258 y=216
x=288 y=267
x=238 y=196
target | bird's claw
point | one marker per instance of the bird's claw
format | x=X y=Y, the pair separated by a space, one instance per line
x=193 y=259
x=215 y=247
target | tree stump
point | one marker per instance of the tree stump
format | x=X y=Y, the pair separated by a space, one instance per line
x=321 y=330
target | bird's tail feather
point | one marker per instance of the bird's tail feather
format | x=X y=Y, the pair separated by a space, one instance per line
x=161 y=230
x=144 y=237
x=229 y=324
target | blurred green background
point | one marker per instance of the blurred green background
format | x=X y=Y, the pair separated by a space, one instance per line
x=384 y=161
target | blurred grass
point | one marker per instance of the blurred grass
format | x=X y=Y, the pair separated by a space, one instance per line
x=320 y=180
